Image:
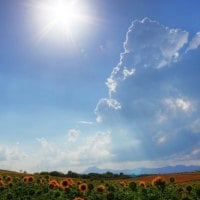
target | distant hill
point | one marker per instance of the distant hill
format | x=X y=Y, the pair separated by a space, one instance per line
x=101 y=171
x=167 y=169
x=132 y=172
x=10 y=173
x=139 y=171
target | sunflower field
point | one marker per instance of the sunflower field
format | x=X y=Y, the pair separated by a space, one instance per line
x=31 y=187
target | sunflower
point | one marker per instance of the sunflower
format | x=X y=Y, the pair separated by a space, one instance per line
x=70 y=181
x=25 y=179
x=83 y=187
x=8 y=178
x=142 y=184
x=30 y=179
x=65 y=183
x=156 y=180
x=100 y=188
x=159 y=183
x=123 y=183
x=53 y=184
x=2 y=184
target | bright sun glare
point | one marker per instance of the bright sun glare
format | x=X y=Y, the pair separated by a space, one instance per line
x=64 y=13
x=66 y=17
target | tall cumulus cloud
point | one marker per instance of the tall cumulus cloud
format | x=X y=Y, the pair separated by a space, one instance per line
x=152 y=105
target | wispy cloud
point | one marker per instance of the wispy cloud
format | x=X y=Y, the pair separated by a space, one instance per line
x=85 y=122
x=178 y=104
x=106 y=104
x=195 y=43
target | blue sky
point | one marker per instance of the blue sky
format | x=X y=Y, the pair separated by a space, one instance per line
x=114 y=85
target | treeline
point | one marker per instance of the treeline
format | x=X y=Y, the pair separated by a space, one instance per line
x=107 y=175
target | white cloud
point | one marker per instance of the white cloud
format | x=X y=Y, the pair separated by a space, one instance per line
x=13 y=157
x=182 y=104
x=155 y=87
x=50 y=152
x=113 y=103
x=45 y=143
x=96 y=148
x=106 y=105
x=128 y=73
x=10 y=153
x=194 y=44
x=112 y=85
x=91 y=151
x=73 y=135
x=178 y=104
x=147 y=44
x=85 y=122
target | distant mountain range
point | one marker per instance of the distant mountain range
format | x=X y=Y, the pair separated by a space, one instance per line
x=139 y=171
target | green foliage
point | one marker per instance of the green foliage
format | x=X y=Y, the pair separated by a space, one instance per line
x=189 y=188
x=112 y=190
x=133 y=186
x=95 y=176
x=172 y=179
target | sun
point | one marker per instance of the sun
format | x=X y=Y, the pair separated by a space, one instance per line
x=64 y=13
x=62 y=17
